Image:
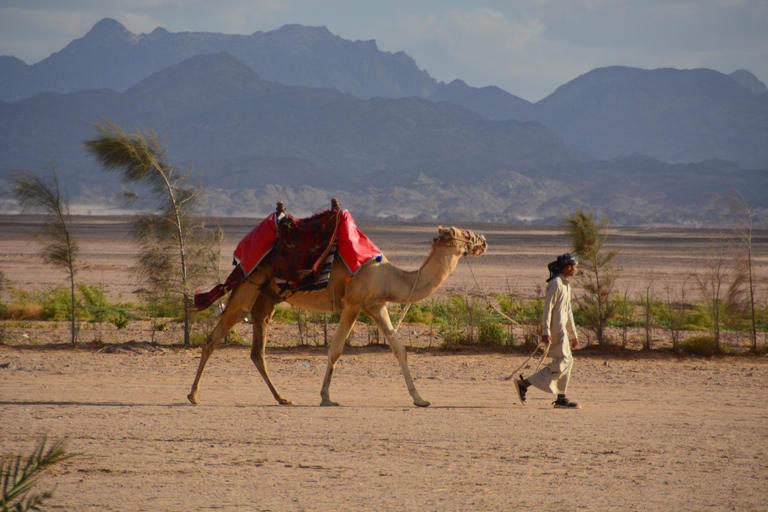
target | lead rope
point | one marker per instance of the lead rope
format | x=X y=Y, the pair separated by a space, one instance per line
x=491 y=306
x=408 y=301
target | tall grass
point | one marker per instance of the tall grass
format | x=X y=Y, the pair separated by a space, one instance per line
x=55 y=305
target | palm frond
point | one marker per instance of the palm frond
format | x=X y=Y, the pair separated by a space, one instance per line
x=19 y=480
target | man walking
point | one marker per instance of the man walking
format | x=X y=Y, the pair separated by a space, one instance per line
x=557 y=324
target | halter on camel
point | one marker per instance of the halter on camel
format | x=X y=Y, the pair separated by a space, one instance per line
x=473 y=245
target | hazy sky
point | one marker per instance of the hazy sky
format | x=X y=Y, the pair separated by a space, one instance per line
x=526 y=47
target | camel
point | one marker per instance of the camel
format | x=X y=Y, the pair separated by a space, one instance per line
x=370 y=290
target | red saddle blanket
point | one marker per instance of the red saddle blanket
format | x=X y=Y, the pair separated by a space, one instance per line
x=354 y=248
x=300 y=250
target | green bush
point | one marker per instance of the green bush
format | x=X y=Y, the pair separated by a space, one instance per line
x=524 y=311
x=56 y=304
x=452 y=334
x=120 y=322
x=702 y=345
x=464 y=322
x=162 y=307
x=96 y=307
x=197 y=338
x=493 y=333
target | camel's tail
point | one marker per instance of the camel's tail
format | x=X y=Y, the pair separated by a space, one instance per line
x=207 y=299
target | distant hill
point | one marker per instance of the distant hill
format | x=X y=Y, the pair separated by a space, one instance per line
x=659 y=147
x=214 y=107
x=255 y=142
x=111 y=57
x=749 y=81
x=672 y=115
x=676 y=116
x=490 y=102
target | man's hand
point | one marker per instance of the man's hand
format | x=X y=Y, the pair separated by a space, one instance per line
x=574 y=343
x=545 y=339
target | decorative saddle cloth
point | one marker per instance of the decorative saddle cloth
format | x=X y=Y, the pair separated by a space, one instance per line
x=301 y=251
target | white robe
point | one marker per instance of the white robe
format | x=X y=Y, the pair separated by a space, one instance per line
x=557 y=322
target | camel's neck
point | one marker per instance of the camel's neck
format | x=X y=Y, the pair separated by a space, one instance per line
x=433 y=273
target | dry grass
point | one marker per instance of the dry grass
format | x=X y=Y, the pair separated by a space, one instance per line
x=23 y=312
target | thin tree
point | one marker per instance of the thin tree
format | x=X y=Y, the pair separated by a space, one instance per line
x=647 y=300
x=744 y=275
x=712 y=283
x=626 y=311
x=676 y=305
x=598 y=279
x=35 y=192
x=168 y=235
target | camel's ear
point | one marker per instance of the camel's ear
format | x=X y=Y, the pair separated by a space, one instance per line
x=440 y=230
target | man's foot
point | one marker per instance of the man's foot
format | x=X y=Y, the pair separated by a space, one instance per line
x=564 y=403
x=521 y=389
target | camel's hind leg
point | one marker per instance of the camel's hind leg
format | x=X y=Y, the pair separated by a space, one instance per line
x=348 y=318
x=240 y=303
x=381 y=317
x=261 y=314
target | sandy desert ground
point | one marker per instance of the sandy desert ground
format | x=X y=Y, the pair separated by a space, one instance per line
x=656 y=431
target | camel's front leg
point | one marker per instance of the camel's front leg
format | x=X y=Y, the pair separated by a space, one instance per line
x=261 y=314
x=381 y=317
x=348 y=317
x=240 y=302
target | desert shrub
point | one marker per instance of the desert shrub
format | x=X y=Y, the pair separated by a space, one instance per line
x=625 y=311
x=21 y=297
x=285 y=314
x=197 y=338
x=524 y=311
x=420 y=313
x=56 y=305
x=761 y=317
x=493 y=333
x=460 y=320
x=235 y=339
x=697 y=319
x=96 y=307
x=452 y=334
x=23 y=312
x=365 y=319
x=120 y=322
x=161 y=306
x=703 y=345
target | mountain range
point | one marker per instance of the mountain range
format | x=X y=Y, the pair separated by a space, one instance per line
x=301 y=115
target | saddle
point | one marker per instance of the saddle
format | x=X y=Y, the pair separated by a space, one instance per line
x=301 y=251
x=303 y=254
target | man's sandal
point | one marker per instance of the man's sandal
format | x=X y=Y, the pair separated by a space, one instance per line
x=564 y=403
x=521 y=389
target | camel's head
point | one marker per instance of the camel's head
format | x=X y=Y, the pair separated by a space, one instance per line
x=472 y=244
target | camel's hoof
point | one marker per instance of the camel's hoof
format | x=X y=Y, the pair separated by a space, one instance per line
x=328 y=403
x=192 y=398
x=284 y=401
x=421 y=403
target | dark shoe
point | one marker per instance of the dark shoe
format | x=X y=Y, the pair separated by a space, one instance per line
x=521 y=389
x=564 y=403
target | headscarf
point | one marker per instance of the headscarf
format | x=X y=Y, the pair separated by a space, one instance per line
x=560 y=263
